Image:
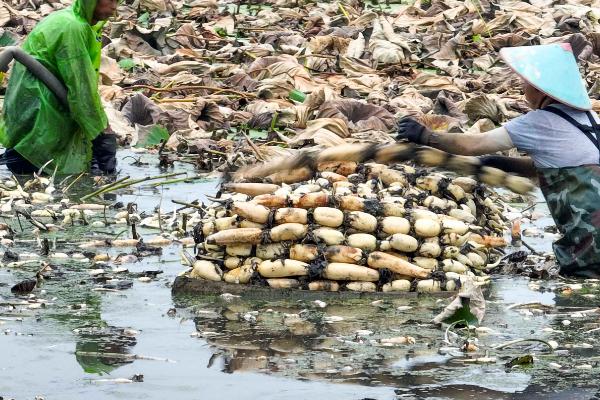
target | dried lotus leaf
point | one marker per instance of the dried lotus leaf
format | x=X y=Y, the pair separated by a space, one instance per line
x=438 y=123
x=483 y=107
x=4 y=15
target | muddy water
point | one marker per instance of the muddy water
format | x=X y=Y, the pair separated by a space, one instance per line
x=72 y=341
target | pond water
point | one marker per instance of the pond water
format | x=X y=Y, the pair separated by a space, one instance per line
x=83 y=339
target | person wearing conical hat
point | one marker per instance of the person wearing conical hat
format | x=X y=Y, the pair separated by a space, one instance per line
x=560 y=136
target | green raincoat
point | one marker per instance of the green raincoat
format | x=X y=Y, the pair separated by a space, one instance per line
x=35 y=123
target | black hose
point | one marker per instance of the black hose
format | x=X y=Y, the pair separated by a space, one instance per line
x=36 y=68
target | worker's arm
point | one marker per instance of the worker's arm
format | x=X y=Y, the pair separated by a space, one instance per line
x=470 y=145
x=78 y=74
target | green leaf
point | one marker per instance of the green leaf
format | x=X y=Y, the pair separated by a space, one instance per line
x=156 y=134
x=257 y=134
x=220 y=31
x=476 y=38
x=127 y=64
x=523 y=361
x=7 y=39
x=462 y=314
x=144 y=19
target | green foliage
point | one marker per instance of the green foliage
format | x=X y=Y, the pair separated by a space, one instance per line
x=462 y=314
x=155 y=136
x=144 y=19
x=127 y=64
x=221 y=31
x=7 y=39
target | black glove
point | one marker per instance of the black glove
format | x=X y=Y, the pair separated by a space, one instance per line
x=414 y=132
x=104 y=151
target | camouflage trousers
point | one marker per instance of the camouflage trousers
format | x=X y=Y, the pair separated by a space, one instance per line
x=573 y=197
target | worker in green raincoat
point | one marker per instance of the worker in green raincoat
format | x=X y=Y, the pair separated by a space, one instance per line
x=561 y=137
x=37 y=128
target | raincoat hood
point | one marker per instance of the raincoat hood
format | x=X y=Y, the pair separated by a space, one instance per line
x=552 y=69
x=85 y=9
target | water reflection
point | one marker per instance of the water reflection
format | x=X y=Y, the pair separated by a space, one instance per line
x=342 y=342
x=99 y=351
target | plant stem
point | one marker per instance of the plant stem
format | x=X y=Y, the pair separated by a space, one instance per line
x=102 y=188
x=170 y=181
x=183 y=203
x=72 y=183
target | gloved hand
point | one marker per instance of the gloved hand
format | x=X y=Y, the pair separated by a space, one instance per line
x=414 y=132
x=104 y=152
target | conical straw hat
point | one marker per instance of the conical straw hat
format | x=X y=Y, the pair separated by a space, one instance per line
x=552 y=69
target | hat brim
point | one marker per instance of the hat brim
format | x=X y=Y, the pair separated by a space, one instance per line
x=579 y=101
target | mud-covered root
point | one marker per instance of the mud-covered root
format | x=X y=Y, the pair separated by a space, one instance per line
x=224 y=223
x=290 y=175
x=430 y=247
x=206 y=270
x=235 y=236
x=282 y=268
x=241 y=275
x=363 y=241
x=403 y=243
x=467 y=184
x=431 y=157
x=488 y=241
x=273 y=166
x=343 y=168
x=391 y=176
x=491 y=176
x=328 y=236
x=232 y=263
x=355 y=152
x=477 y=260
x=328 y=217
x=250 y=211
x=351 y=203
x=286 y=215
x=394 y=153
x=379 y=260
x=464 y=165
x=283 y=283
x=449 y=265
x=270 y=200
x=332 y=177
x=311 y=200
x=344 y=254
x=288 y=232
x=361 y=286
x=518 y=184
x=454 y=239
x=361 y=222
x=428 y=286
x=427 y=263
x=392 y=225
x=272 y=250
x=350 y=272
x=398 y=285
x=304 y=252
x=462 y=215
x=324 y=285
x=238 y=250
x=454 y=226
x=251 y=189
x=393 y=208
